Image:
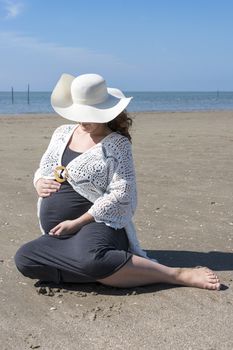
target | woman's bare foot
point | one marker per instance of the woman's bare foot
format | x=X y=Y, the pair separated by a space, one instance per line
x=197 y=277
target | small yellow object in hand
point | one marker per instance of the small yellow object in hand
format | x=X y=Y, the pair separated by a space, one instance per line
x=61 y=174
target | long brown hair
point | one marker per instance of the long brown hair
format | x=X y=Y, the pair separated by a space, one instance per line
x=121 y=124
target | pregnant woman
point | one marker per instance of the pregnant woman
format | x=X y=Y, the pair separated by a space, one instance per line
x=87 y=198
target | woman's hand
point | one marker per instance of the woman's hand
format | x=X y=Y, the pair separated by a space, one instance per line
x=67 y=227
x=45 y=187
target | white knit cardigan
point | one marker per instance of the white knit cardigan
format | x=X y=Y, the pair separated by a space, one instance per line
x=104 y=174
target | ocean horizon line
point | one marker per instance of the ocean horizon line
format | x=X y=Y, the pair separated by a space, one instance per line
x=39 y=101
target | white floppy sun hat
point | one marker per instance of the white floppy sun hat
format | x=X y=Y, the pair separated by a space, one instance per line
x=86 y=98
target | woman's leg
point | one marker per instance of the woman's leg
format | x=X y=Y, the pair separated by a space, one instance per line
x=139 y=271
x=31 y=266
x=51 y=259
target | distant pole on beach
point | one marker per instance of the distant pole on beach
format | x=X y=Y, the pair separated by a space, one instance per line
x=28 y=94
x=12 y=95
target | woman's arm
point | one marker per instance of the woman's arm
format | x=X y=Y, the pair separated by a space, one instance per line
x=117 y=205
x=43 y=170
x=70 y=227
x=41 y=181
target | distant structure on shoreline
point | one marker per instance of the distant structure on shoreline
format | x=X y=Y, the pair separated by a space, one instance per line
x=28 y=95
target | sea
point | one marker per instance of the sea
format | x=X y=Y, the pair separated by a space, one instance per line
x=39 y=102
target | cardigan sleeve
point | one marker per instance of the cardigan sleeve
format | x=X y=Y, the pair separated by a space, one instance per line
x=117 y=205
x=39 y=172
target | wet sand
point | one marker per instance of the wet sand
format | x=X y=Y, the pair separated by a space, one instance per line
x=184 y=173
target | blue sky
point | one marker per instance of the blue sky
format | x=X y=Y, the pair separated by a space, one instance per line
x=157 y=45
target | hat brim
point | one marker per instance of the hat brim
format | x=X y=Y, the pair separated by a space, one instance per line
x=104 y=112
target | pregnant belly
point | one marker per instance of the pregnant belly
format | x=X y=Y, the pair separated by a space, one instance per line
x=66 y=204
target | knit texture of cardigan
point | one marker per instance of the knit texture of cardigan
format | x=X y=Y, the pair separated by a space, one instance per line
x=104 y=174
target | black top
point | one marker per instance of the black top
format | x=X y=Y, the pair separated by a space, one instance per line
x=66 y=204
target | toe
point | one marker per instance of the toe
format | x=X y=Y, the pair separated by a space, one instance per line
x=212 y=286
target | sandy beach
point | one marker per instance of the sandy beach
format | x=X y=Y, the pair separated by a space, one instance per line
x=184 y=218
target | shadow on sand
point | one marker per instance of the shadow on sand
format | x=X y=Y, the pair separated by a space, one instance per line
x=217 y=261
